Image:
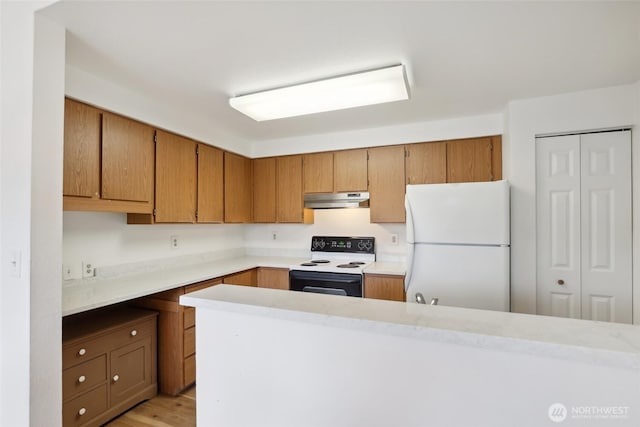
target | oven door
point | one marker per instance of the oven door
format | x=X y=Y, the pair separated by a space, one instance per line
x=326 y=283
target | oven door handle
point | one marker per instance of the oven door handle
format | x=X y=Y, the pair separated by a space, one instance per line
x=319 y=290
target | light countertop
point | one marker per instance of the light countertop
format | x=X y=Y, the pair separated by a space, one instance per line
x=88 y=294
x=571 y=339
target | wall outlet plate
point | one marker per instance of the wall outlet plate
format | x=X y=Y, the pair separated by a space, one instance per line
x=88 y=270
x=175 y=242
x=66 y=272
x=394 y=239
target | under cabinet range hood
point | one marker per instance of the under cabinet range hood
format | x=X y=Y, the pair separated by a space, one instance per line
x=336 y=200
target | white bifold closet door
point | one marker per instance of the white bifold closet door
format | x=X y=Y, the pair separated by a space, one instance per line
x=584 y=247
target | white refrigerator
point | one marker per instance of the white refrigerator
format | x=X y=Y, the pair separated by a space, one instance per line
x=458 y=244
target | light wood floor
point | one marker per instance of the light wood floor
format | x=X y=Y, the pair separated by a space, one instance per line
x=161 y=411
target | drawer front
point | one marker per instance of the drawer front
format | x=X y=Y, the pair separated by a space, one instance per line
x=189 y=341
x=84 y=376
x=189 y=370
x=80 y=352
x=85 y=407
x=130 y=334
x=189 y=317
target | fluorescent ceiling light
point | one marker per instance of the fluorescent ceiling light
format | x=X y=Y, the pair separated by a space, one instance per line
x=353 y=90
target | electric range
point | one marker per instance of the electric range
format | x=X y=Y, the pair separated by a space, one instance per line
x=335 y=266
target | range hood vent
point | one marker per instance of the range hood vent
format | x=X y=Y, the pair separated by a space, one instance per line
x=336 y=200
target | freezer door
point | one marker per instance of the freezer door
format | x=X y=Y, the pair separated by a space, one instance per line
x=473 y=212
x=460 y=276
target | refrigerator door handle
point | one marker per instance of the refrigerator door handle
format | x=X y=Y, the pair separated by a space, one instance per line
x=407 y=277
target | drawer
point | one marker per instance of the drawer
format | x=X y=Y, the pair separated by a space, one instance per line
x=189 y=370
x=85 y=407
x=189 y=341
x=129 y=334
x=189 y=317
x=82 y=351
x=84 y=376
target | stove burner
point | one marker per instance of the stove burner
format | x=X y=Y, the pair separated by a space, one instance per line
x=357 y=263
x=308 y=264
x=321 y=261
x=348 y=265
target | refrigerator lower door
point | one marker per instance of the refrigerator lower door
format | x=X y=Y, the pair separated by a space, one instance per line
x=460 y=276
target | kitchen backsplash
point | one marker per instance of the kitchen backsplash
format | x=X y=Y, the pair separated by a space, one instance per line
x=105 y=239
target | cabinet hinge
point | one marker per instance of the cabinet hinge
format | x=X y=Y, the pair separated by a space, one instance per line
x=407 y=153
x=155 y=137
x=197 y=150
x=196 y=215
x=367 y=155
x=154 y=211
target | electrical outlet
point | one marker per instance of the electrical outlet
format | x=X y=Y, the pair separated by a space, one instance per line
x=394 y=239
x=66 y=272
x=88 y=270
x=274 y=235
x=175 y=243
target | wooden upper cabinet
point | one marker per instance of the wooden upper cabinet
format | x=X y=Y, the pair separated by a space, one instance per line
x=426 y=163
x=176 y=174
x=470 y=160
x=210 y=184
x=127 y=159
x=318 y=172
x=264 y=190
x=350 y=170
x=81 y=150
x=238 y=193
x=289 y=204
x=386 y=184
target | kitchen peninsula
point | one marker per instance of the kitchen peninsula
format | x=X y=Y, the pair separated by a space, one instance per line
x=271 y=358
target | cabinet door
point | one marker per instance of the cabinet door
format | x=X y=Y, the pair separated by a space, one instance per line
x=274 y=278
x=386 y=184
x=264 y=190
x=237 y=188
x=384 y=287
x=175 y=178
x=127 y=159
x=244 y=278
x=470 y=160
x=130 y=370
x=289 y=189
x=81 y=150
x=318 y=172
x=350 y=170
x=426 y=163
x=210 y=184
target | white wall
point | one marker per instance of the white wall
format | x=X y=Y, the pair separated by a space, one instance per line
x=328 y=222
x=437 y=130
x=30 y=184
x=105 y=239
x=580 y=111
x=168 y=114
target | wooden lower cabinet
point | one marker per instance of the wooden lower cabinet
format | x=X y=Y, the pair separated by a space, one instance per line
x=386 y=287
x=275 y=278
x=244 y=278
x=176 y=336
x=108 y=363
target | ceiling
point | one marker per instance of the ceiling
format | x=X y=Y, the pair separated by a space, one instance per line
x=462 y=58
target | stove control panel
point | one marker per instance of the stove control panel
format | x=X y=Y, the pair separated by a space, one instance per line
x=363 y=245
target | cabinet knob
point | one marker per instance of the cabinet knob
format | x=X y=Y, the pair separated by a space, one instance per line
x=82 y=352
x=560 y=282
x=82 y=411
x=134 y=333
x=82 y=379
x=116 y=378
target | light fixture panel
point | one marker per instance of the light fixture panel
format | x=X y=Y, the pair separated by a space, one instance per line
x=353 y=90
